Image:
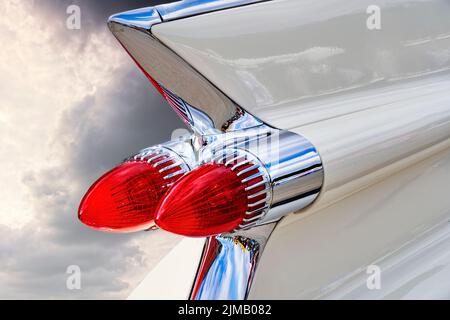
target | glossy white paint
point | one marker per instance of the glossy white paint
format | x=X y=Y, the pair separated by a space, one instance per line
x=280 y=58
x=400 y=128
x=419 y=270
x=387 y=173
x=172 y=278
x=321 y=254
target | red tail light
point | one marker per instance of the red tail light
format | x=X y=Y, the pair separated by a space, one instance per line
x=214 y=198
x=125 y=198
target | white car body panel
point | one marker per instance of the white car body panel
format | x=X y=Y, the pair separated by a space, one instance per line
x=402 y=128
x=277 y=56
x=315 y=255
x=419 y=270
x=172 y=277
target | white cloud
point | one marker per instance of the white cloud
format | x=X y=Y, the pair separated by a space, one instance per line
x=42 y=77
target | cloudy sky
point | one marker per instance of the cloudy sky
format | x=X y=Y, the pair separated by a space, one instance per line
x=72 y=105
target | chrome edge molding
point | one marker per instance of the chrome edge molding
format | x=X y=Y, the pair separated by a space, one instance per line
x=213 y=111
x=187 y=8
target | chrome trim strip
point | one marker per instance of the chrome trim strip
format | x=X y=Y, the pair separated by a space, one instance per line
x=255 y=186
x=258 y=194
x=250 y=220
x=254 y=167
x=170 y=176
x=255 y=211
x=176 y=164
x=157 y=164
x=187 y=8
x=256 y=175
x=255 y=204
x=240 y=164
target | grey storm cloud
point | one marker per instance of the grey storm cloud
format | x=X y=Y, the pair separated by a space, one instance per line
x=95 y=12
x=135 y=117
x=121 y=118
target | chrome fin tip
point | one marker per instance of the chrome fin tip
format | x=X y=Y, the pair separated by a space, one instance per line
x=143 y=19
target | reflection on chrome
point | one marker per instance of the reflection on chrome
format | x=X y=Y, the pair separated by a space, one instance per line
x=202 y=124
x=229 y=263
x=143 y=18
x=227 y=268
x=294 y=167
x=186 y=8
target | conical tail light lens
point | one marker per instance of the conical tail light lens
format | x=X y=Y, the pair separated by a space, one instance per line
x=125 y=198
x=214 y=198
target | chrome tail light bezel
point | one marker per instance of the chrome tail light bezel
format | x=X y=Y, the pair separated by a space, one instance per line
x=235 y=159
x=290 y=164
x=152 y=154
